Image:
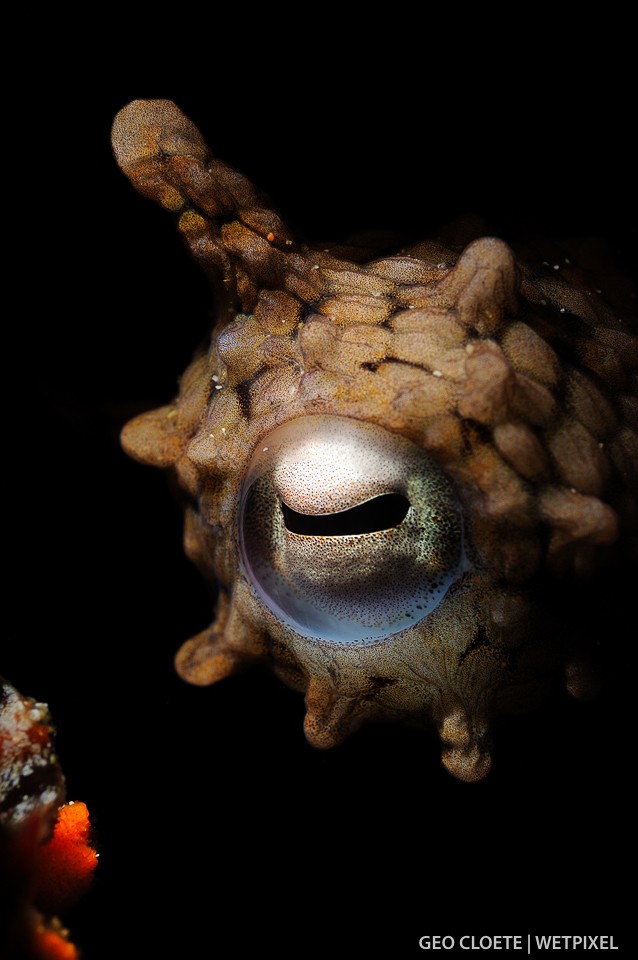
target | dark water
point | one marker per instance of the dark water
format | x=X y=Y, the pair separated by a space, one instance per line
x=221 y=832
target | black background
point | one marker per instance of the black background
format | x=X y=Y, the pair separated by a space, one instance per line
x=221 y=832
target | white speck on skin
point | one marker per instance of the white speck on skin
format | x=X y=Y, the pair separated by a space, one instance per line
x=437 y=373
x=215 y=378
x=218 y=386
x=265 y=449
x=562 y=309
x=223 y=429
x=48 y=796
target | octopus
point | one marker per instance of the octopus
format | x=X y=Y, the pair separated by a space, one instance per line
x=399 y=469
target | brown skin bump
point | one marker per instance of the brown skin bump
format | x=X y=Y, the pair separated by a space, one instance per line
x=486 y=394
x=520 y=386
x=521 y=448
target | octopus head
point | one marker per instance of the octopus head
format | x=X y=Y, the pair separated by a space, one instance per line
x=391 y=465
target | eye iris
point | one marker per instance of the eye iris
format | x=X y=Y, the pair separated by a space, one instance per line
x=349 y=533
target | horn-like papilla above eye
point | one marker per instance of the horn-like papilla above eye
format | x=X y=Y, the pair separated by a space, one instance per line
x=348 y=532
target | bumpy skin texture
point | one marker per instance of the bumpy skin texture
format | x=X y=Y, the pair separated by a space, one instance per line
x=519 y=380
x=31 y=780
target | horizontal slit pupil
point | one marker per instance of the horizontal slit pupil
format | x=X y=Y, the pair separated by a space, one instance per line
x=381 y=513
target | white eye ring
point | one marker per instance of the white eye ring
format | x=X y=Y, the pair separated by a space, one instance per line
x=348 y=533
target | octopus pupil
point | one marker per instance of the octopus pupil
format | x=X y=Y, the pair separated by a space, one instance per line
x=381 y=513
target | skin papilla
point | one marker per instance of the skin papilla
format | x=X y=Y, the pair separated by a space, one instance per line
x=516 y=379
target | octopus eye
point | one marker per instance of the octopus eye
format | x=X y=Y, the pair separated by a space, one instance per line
x=348 y=533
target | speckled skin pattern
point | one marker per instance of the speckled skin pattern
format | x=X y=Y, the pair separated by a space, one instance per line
x=31 y=781
x=518 y=378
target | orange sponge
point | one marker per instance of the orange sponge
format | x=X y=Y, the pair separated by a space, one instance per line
x=66 y=863
x=51 y=944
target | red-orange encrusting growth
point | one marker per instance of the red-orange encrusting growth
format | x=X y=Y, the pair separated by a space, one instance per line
x=52 y=945
x=66 y=863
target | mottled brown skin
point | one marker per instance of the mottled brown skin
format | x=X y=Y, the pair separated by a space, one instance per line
x=519 y=380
